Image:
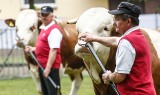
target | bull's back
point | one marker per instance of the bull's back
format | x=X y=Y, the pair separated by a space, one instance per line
x=153 y=38
x=70 y=38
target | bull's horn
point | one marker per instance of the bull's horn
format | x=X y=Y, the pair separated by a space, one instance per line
x=72 y=21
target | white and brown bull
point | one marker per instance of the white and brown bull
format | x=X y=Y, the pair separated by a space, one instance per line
x=27 y=24
x=98 y=21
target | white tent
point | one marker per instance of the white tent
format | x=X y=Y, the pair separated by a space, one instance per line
x=151 y=21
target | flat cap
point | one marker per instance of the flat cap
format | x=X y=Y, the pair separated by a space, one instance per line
x=46 y=9
x=126 y=8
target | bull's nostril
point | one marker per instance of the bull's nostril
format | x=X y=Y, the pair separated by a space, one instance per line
x=18 y=39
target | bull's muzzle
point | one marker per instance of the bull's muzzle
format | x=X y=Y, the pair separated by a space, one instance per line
x=19 y=42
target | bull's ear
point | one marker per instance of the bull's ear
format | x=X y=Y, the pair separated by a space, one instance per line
x=10 y=22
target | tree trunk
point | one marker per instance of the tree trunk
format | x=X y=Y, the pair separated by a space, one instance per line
x=31 y=4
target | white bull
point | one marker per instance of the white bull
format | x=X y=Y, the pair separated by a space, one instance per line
x=27 y=30
x=27 y=24
x=98 y=21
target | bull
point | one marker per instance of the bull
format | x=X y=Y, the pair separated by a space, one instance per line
x=98 y=21
x=27 y=24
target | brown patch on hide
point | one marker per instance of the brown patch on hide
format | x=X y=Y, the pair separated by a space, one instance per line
x=111 y=60
x=29 y=59
x=39 y=24
x=155 y=63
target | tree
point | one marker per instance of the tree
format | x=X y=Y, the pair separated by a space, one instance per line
x=31 y=4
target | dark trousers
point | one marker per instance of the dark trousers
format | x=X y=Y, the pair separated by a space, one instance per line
x=47 y=87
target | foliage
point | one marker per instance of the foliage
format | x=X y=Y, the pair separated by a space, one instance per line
x=31 y=4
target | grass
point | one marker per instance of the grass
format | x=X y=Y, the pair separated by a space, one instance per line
x=17 y=87
x=26 y=86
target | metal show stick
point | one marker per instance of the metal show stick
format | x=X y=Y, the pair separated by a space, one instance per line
x=52 y=82
x=101 y=65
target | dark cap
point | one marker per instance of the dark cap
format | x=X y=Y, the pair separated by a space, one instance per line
x=46 y=9
x=126 y=8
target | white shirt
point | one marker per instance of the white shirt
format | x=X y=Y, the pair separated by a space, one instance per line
x=125 y=54
x=55 y=36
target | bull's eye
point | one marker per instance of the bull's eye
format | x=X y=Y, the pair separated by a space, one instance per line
x=105 y=28
x=32 y=28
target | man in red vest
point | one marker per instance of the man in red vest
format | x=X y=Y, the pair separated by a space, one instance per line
x=132 y=75
x=47 y=51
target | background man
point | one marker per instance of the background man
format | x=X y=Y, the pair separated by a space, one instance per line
x=47 y=51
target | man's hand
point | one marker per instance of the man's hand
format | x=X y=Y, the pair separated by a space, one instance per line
x=46 y=71
x=29 y=48
x=86 y=37
x=105 y=77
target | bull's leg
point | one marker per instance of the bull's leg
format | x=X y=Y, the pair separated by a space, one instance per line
x=61 y=71
x=76 y=82
x=34 y=74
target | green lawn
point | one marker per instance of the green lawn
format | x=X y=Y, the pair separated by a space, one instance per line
x=17 y=87
x=26 y=86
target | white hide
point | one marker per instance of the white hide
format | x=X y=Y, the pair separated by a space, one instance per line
x=25 y=20
x=94 y=21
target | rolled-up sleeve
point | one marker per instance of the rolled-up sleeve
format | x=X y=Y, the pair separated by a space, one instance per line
x=125 y=57
x=54 y=38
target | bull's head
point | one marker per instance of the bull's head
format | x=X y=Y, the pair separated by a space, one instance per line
x=27 y=27
x=96 y=21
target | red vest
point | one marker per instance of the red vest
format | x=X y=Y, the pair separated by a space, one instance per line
x=42 y=48
x=139 y=81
